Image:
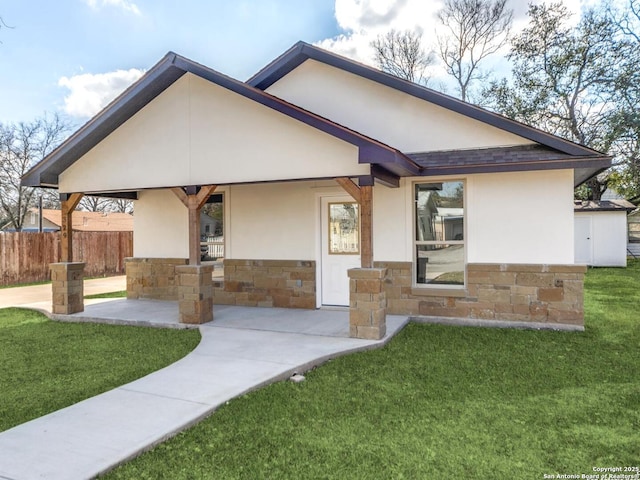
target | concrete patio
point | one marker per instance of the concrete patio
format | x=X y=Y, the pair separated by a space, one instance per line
x=241 y=350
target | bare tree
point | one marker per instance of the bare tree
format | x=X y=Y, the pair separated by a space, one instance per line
x=3 y=25
x=21 y=146
x=476 y=29
x=401 y=54
x=120 y=205
x=92 y=203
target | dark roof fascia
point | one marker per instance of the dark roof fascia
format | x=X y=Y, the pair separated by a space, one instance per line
x=158 y=79
x=302 y=51
x=148 y=87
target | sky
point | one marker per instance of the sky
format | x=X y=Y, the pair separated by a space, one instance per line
x=72 y=57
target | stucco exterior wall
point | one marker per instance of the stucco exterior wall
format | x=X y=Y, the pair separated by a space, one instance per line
x=522 y=217
x=196 y=133
x=160 y=226
x=393 y=117
x=275 y=221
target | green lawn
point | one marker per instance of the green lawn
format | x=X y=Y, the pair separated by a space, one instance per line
x=119 y=294
x=439 y=402
x=45 y=365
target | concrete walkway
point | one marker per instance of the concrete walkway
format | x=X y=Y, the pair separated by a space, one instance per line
x=241 y=350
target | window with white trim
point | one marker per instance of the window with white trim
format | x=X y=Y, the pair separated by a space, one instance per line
x=439 y=240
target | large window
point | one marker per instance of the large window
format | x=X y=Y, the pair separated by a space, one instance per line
x=439 y=241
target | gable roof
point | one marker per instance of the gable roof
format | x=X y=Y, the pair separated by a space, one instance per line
x=163 y=75
x=589 y=162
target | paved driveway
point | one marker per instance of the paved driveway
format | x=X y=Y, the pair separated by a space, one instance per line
x=41 y=294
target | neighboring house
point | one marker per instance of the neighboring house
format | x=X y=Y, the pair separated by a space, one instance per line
x=312 y=142
x=81 y=221
x=601 y=232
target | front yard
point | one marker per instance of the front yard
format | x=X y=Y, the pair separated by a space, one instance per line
x=437 y=402
x=45 y=365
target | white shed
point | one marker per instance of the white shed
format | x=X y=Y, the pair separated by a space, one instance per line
x=601 y=232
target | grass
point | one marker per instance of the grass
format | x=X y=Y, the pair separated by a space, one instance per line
x=28 y=284
x=46 y=365
x=438 y=402
x=119 y=294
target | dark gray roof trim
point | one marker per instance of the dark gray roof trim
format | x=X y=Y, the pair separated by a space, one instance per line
x=603 y=206
x=164 y=74
x=508 y=159
x=302 y=51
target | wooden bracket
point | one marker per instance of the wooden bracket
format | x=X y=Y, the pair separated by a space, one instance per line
x=194 y=203
x=350 y=187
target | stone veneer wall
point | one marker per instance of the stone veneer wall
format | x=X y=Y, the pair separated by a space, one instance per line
x=267 y=283
x=153 y=278
x=511 y=292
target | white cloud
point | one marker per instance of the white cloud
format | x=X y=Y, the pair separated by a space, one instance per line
x=90 y=93
x=363 y=20
x=126 y=5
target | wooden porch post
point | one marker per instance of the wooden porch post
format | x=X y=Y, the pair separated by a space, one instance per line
x=195 y=290
x=194 y=203
x=68 y=205
x=367 y=295
x=364 y=196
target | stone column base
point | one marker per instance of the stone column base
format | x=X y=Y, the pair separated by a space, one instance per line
x=367 y=303
x=67 y=285
x=195 y=293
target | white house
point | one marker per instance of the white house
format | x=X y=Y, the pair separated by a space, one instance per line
x=322 y=163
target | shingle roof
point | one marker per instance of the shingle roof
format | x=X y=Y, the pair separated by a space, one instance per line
x=603 y=205
x=502 y=159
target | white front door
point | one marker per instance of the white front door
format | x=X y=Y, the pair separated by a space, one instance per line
x=340 y=243
x=583 y=242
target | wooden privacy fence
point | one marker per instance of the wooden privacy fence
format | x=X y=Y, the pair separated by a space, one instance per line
x=25 y=256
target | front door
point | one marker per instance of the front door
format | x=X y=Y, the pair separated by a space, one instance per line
x=340 y=221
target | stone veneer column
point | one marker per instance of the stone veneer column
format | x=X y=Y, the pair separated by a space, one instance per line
x=67 y=284
x=195 y=293
x=367 y=303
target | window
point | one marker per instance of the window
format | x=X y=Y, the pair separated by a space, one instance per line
x=344 y=229
x=212 y=229
x=439 y=241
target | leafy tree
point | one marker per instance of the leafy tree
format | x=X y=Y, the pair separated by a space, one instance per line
x=22 y=145
x=625 y=123
x=401 y=54
x=476 y=29
x=566 y=79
